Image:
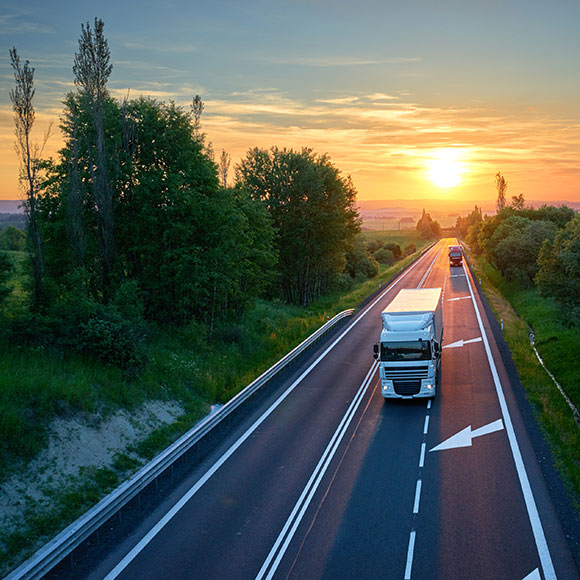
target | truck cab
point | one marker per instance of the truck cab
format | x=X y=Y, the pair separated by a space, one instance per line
x=455 y=255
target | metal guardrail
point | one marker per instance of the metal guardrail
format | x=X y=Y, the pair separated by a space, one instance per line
x=76 y=533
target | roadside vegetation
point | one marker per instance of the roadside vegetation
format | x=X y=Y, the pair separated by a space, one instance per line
x=528 y=261
x=189 y=364
x=147 y=274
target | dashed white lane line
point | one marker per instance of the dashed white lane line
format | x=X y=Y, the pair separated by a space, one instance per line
x=422 y=457
x=426 y=426
x=417 y=497
x=410 y=551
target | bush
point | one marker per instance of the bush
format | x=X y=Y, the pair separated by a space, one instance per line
x=6 y=267
x=113 y=340
x=374 y=245
x=410 y=249
x=13 y=239
x=359 y=264
x=32 y=330
x=384 y=256
x=395 y=249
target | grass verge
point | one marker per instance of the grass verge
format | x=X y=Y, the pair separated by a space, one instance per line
x=520 y=310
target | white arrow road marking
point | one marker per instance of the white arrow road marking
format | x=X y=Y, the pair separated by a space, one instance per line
x=466 y=436
x=462 y=342
x=460 y=298
x=535 y=575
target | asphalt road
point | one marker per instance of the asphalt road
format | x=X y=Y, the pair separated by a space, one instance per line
x=326 y=480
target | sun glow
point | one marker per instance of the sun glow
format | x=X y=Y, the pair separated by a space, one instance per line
x=445 y=168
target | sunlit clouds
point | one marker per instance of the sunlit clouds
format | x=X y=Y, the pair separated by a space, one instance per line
x=391 y=145
x=413 y=100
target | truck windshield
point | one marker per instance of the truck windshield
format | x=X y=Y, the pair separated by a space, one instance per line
x=413 y=350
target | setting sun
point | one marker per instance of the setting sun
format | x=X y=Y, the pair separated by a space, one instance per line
x=445 y=168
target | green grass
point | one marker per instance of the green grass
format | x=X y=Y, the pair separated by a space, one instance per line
x=401 y=237
x=558 y=346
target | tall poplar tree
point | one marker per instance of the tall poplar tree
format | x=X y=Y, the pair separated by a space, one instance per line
x=501 y=186
x=92 y=69
x=30 y=157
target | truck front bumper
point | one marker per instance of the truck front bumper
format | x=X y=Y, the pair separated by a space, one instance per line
x=394 y=390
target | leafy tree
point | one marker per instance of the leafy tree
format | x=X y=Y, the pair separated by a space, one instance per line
x=30 y=165
x=313 y=211
x=514 y=246
x=559 y=268
x=559 y=216
x=429 y=228
x=518 y=202
x=195 y=249
x=462 y=224
x=360 y=265
x=191 y=248
x=501 y=186
x=12 y=238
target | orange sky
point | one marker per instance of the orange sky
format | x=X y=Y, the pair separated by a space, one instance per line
x=400 y=102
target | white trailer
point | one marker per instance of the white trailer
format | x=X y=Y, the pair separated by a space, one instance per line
x=410 y=344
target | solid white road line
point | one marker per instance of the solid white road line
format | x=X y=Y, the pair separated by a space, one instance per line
x=537 y=529
x=429 y=268
x=281 y=544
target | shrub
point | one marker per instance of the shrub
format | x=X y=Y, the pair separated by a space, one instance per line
x=32 y=330
x=374 y=245
x=113 y=340
x=395 y=249
x=6 y=267
x=384 y=256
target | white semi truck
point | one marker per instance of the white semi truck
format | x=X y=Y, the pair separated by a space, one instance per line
x=410 y=348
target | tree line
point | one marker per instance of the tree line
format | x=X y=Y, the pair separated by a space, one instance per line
x=134 y=223
x=530 y=247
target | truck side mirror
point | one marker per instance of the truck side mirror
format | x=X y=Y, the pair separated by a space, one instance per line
x=376 y=350
x=436 y=347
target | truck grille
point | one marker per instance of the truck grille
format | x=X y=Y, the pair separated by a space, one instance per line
x=407 y=380
x=406 y=388
x=406 y=373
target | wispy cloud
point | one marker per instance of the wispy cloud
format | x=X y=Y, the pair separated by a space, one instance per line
x=181 y=48
x=22 y=23
x=335 y=61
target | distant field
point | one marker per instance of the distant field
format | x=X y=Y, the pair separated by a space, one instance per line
x=401 y=237
x=397 y=223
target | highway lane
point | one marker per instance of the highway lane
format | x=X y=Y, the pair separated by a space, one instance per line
x=334 y=483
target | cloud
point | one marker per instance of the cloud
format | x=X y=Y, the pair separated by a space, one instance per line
x=19 y=23
x=185 y=48
x=335 y=61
